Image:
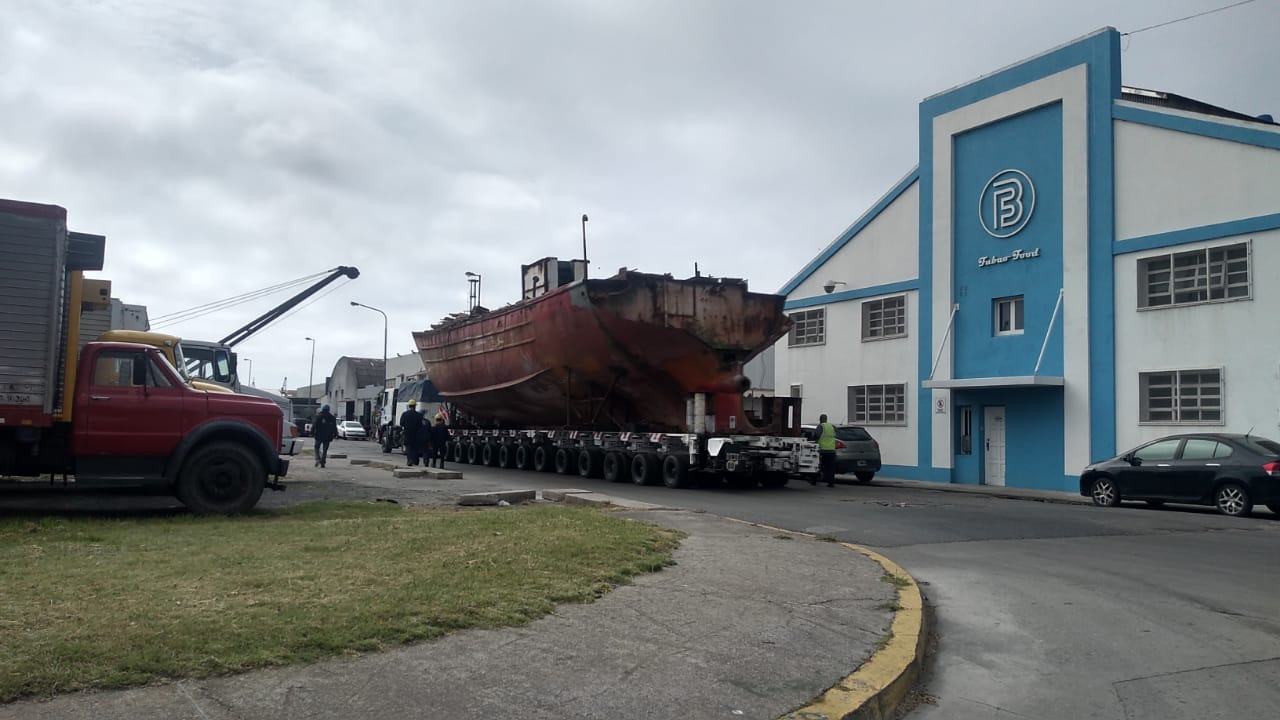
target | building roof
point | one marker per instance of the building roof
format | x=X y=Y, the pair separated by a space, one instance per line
x=368 y=371
x=1178 y=102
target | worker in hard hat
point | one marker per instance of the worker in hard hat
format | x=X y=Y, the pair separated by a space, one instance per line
x=414 y=433
x=323 y=429
x=439 y=442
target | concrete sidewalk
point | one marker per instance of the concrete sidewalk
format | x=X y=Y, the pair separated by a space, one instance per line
x=1051 y=496
x=751 y=622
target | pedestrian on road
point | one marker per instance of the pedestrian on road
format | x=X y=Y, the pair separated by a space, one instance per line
x=439 y=441
x=324 y=429
x=826 y=451
x=411 y=423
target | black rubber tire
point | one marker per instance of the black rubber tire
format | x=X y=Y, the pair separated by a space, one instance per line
x=386 y=446
x=544 y=458
x=221 y=478
x=864 y=477
x=488 y=454
x=590 y=463
x=616 y=467
x=1104 y=491
x=473 y=453
x=506 y=456
x=646 y=468
x=565 y=461
x=458 y=453
x=524 y=456
x=675 y=471
x=1233 y=499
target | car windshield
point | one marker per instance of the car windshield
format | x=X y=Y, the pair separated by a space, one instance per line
x=352 y=424
x=852 y=434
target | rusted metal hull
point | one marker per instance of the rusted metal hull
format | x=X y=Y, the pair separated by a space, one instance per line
x=617 y=353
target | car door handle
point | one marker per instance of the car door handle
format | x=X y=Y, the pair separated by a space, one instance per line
x=99 y=397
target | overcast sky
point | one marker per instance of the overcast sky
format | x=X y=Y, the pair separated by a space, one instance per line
x=225 y=147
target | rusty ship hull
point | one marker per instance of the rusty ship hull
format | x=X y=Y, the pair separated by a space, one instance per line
x=624 y=352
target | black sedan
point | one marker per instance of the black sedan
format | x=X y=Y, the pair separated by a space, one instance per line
x=1231 y=472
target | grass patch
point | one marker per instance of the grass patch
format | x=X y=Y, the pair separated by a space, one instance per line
x=783 y=537
x=894 y=580
x=108 y=603
x=826 y=538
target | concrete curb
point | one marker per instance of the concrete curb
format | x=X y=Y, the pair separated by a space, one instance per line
x=876 y=689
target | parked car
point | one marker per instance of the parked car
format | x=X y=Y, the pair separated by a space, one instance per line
x=351 y=430
x=856 y=451
x=1231 y=472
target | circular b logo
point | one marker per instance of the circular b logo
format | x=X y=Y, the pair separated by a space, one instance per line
x=1006 y=203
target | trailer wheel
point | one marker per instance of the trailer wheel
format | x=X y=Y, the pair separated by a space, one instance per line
x=675 y=471
x=616 y=468
x=455 y=450
x=564 y=461
x=590 y=463
x=645 y=468
x=489 y=455
x=473 y=453
x=221 y=478
x=774 y=479
x=506 y=456
x=524 y=456
x=543 y=458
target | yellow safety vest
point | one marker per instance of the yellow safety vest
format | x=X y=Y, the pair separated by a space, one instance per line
x=827 y=438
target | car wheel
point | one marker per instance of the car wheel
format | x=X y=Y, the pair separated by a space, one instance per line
x=1232 y=499
x=1104 y=492
x=864 y=477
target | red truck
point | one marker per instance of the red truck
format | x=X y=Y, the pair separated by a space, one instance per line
x=111 y=414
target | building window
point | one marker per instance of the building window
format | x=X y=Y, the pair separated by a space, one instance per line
x=878 y=404
x=797 y=391
x=1194 y=276
x=884 y=318
x=810 y=327
x=964 y=430
x=1188 y=397
x=1008 y=315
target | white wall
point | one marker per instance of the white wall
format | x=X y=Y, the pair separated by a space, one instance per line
x=885 y=251
x=827 y=371
x=1167 y=180
x=1239 y=336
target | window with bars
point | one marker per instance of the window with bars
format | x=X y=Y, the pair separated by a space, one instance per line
x=810 y=328
x=1185 y=397
x=1195 y=276
x=878 y=404
x=884 y=318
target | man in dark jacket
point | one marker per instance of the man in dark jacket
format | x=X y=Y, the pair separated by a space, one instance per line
x=324 y=429
x=439 y=441
x=414 y=433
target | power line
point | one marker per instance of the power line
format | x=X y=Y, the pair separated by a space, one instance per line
x=1189 y=17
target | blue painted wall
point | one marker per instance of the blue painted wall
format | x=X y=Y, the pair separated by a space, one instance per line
x=1034 y=448
x=1031 y=143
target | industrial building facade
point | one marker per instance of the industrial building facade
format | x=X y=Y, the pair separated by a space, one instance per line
x=1073 y=268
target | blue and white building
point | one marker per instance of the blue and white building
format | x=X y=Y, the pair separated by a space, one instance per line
x=1074 y=267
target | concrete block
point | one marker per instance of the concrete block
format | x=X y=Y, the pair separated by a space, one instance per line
x=493 y=498
x=442 y=474
x=408 y=472
x=559 y=495
x=337 y=456
x=591 y=498
x=360 y=461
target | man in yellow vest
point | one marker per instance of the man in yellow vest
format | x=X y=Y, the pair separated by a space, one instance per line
x=826 y=451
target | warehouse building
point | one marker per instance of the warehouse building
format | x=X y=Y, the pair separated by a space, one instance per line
x=1073 y=268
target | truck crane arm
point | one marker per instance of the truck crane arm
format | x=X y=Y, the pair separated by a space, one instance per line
x=243 y=333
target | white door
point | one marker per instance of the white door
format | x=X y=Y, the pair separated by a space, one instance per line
x=993 y=429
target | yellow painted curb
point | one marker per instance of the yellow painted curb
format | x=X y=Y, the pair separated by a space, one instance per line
x=874 y=690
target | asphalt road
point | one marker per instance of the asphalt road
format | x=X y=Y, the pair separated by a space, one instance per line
x=1043 y=610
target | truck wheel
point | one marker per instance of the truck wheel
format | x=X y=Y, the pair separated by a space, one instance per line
x=564 y=461
x=489 y=455
x=774 y=479
x=675 y=471
x=506 y=456
x=456 y=447
x=645 y=468
x=590 y=463
x=524 y=456
x=543 y=458
x=221 y=478
x=615 y=467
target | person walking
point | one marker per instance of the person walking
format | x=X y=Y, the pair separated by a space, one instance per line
x=439 y=441
x=826 y=451
x=324 y=429
x=411 y=423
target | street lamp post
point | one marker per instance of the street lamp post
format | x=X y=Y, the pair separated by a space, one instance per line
x=311 y=379
x=381 y=398
x=584 y=246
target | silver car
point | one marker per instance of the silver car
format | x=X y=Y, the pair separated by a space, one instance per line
x=351 y=430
